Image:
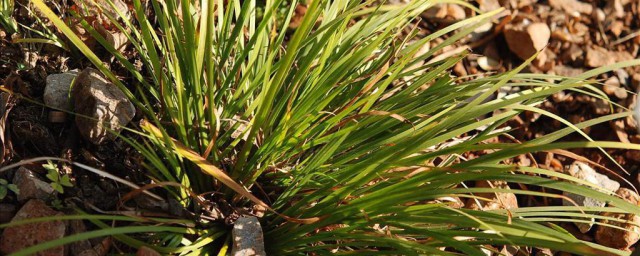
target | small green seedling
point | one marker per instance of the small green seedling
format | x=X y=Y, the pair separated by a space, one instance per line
x=5 y=187
x=58 y=182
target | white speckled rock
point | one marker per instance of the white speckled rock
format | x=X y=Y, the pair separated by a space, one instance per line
x=247 y=237
x=585 y=172
x=100 y=106
x=56 y=93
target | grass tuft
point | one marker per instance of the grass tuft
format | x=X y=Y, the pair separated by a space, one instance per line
x=343 y=123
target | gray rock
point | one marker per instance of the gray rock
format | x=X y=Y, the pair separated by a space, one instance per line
x=30 y=186
x=247 y=237
x=19 y=237
x=56 y=93
x=100 y=107
x=585 y=172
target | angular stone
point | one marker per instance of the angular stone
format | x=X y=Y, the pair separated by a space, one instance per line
x=572 y=7
x=56 y=93
x=100 y=107
x=623 y=76
x=247 y=237
x=567 y=71
x=16 y=238
x=546 y=60
x=616 y=28
x=617 y=238
x=620 y=56
x=612 y=88
x=573 y=54
x=598 y=57
x=621 y=93
x=628 y=195
x=30 y=186
x=525 y=41
x=585 y=172
x=115 y=38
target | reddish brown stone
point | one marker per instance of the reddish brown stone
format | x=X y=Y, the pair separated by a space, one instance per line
x=629 y=234
x=16 y=238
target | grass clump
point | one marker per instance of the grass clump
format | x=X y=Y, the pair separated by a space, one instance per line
x=338 y=127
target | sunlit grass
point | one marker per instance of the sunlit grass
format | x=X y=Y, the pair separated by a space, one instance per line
x=338 y=127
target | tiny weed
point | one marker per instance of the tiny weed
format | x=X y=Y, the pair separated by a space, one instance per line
x=58 y=182
x=5 y=187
